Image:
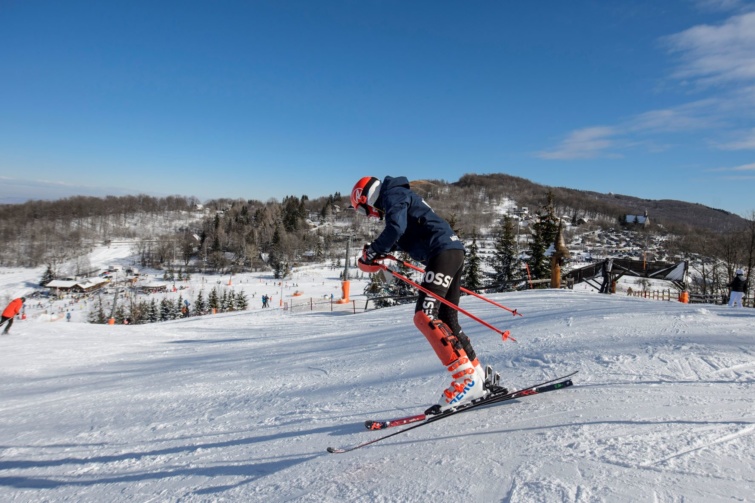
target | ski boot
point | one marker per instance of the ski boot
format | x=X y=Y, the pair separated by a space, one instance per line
x=466 y=386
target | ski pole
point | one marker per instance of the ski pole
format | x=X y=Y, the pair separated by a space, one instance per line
x=470 y=292
x=505 y=334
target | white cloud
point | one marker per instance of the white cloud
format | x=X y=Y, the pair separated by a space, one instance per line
x=720 y=5
x=742 y=168
x=716 y=59
x=745 y=142
x=584 y=143
x=693 y=116
x=716 y=54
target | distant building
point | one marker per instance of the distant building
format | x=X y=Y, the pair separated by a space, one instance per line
x=85 y=285
x=642 y=220
x=154 y=287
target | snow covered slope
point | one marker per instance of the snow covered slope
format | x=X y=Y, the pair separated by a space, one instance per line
x=241 y=407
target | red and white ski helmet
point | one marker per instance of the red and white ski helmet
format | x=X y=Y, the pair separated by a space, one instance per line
x=364 y=194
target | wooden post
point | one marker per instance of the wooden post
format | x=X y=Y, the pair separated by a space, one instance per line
x=557 y=259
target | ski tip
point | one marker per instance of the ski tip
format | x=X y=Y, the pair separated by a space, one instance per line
x=333 y=450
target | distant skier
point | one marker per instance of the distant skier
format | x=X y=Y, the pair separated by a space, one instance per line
x=738 y=288
x=11 y=310
x=413 y=227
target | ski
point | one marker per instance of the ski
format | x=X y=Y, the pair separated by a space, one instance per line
x=492 y=383
x=423 y=419
x=401 y=421
x=492 y=398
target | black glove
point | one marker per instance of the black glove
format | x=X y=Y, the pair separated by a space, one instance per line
x=369 y=255
x=368 y=261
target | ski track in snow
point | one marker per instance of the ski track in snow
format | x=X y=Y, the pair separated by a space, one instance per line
x=241 y=406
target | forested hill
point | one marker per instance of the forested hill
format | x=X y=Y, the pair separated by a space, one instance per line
x=229 y=233
x=675 y=215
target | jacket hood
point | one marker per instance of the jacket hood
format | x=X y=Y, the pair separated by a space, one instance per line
x=399 y=181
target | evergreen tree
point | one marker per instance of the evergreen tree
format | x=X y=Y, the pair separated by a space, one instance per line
x=179 y=309
x=282 y=269
x=139 y=312
x=120 y=314
x=292 y=213
x=166 y=310
x=546 y=231
x=472 y=270
x=388 y=292
x=213 y=301
x=225 y=302
x=200 y=307
x=48 y=276
x=98 y=315
x=505 y=261
x=242 y=302
x=153 y=314
x=403 y=268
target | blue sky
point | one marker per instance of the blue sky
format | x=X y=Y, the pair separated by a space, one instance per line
x=264 y=99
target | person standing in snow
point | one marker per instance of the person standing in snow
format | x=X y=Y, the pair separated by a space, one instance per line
x=738 y=288
x=11 y=310
x=413 y=227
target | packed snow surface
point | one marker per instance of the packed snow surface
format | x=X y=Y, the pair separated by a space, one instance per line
x=242 y=406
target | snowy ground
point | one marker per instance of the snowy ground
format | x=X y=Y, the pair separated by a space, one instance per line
x=241 y=407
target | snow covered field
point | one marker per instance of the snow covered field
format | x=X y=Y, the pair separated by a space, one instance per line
x=241 y=406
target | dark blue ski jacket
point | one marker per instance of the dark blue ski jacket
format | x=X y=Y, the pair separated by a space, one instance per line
x=410 y=224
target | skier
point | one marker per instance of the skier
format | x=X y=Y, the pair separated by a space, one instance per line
x=413 y=227
x=738 y=288
x=11 y=310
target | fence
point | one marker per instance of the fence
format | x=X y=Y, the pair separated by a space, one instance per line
x=653 y=294
x=313 y=304
x=694 y=298
x=297 y=305
x=719 y=299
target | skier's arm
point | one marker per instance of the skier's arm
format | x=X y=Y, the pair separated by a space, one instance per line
x=395 y=226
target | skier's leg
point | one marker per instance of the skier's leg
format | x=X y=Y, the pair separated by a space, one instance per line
x=737 y=296
x=440 y=337
x=439 y=276
x=467 y=382
x=450 y=316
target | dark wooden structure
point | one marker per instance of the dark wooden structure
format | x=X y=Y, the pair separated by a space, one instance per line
x=592 y=274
